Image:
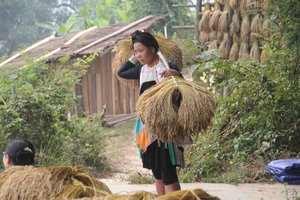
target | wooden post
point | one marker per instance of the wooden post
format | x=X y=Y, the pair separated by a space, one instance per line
x=198 y=10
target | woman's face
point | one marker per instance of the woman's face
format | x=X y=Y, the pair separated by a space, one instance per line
x=143 y=53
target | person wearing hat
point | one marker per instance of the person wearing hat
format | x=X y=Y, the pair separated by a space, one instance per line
x=18 y=152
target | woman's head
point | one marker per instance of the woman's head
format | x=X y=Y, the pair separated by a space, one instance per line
x=18 y=152
x=145 y=46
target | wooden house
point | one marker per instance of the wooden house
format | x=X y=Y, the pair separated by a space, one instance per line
x=99 y=86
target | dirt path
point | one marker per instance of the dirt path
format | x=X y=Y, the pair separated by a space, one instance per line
x=121 y=152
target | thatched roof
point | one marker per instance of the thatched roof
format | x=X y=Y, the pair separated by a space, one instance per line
x=80 y=43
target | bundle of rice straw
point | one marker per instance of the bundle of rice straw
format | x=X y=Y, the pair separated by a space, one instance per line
x=251 y=4
x=139 y=195
x=175 y=108
x=255 y=52
x=234 y=4
x=266 y=27
x=263 y=57
x=223 y=49
x=214 y=20
x=256 y=23
x=196 y=194
x=203 y=37
x=204 y=22
x=220 y=36
x=244 y=52
x=213 y=45
x=123 y=51
x=223 y=19
x=243 y=5
x=245 y=29
x=212 y=35
x=234 y=51
x=30 y=183
x=236 y=23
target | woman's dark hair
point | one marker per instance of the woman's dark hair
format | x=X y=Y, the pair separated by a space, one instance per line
x=21 y=152
x=145 y=38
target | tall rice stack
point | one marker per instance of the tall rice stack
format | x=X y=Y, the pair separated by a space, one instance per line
x=266 y=28
x=175 y=108
x=255 y=52
x=204 y=24
x=244 y=51
x=30 y=183
x=234 y=51
x=256 y=26
x=123 y=51
x=245 y=28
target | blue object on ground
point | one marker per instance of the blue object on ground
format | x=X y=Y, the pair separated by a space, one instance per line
x=285 y=170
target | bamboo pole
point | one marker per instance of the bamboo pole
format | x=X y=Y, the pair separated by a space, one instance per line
x=113 y=34
x=28 y=49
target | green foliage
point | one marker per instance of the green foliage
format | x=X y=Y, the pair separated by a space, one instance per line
x=35 y=102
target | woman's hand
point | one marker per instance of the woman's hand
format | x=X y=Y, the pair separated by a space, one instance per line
x=169 y=72
x=134 y=60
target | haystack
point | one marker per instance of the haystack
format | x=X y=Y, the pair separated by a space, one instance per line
x=223 y=19
x=214 y=20
x=123 y=51
x=244 y=51
x=256 y=23
x=212 y=35
x=266 y=28
x=255 y=52
x=213 y=45
x=220 y=36
x=175 y=108
x=235 y=25
x=30 y=183
x=234 y=4
x=245 y=29
x=204 y=22
x=234 y=51
x=204 y=37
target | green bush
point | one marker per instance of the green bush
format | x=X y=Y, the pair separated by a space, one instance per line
x=34 y=104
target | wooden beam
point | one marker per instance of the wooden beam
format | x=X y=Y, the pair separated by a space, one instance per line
x=183 y=5
x=183 y=27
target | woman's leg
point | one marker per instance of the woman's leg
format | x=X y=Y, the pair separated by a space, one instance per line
x=160 y=187
x=172 y=187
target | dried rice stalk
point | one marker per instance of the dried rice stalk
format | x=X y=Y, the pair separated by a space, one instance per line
x=223 y=49
x=213 y=45
x=30 y=183
x=243 y=5
x=196 y=194
x=234 y=4
x=251 y=4
x=204 y=37
x=256 y=23
x=245 y=29
x=123 y=51
x=189 y=109
x=214 y=20
x=244 y=52
x=223 y=19
x=235 y=37
x=204 y=22
x=212 y=35
x=139 y=195
x=266 y=28
x=263 y=57
x=234 y=51
x=236 y=23
x=220 y=36
x=255 y=52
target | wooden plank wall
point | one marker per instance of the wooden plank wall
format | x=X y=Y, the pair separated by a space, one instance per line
x=101 y=87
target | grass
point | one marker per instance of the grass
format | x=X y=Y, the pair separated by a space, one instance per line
x=138 y=178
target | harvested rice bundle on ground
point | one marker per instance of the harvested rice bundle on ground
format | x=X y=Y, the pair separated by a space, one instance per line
x=235 y=25
x=256 y=23
x=223 y=49
x=123 y=51
x=139 y=195
x=244 y=52
x=214 y=20
x=234 y=51
x=30 y=183
x=245 y=29
x=196 y=194
x=188 y=106
x=255 y=52
x=234 y=4
x=213 y=45
x=204 y=22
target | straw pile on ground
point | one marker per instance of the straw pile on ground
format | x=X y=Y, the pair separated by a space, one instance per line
x=123 y=51
x=30 y=183
x=196 y=194
x=175 y=108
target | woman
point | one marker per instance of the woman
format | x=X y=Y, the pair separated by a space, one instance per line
x=18 y=152
x=147 y=66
